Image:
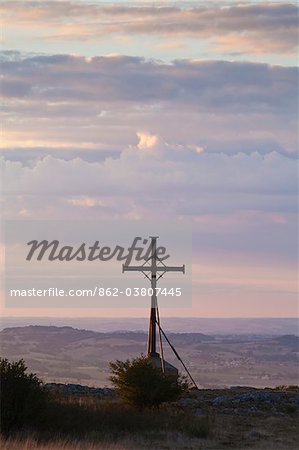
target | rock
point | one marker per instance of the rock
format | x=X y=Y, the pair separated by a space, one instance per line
x=254 y=435
x=187 y=402
x=241 y=388
x=221 y=400
x=256 y=402
x=78 y=389
x=258 y=396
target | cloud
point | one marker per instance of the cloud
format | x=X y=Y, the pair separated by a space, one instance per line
x=252 y=179
x=253 y=28
x=146 y=141
x=71 y=102
x=60 y=79
x=243 y=207
x=243 y=204
x=208 y=142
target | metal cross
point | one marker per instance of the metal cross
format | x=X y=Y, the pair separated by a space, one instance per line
x=155 y=273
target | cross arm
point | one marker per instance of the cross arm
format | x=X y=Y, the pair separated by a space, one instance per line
x=171 y=268
x=157 y=268
x=133 y=268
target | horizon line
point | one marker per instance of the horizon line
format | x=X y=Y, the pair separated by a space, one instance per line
x=146 y=317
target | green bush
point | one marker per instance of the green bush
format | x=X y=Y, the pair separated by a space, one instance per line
x=142 y=385
x=22 y=396
x=27 y=410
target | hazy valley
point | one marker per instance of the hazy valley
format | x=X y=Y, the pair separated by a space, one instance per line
x=69 y=355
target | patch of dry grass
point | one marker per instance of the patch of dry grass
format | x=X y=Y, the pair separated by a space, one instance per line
x=169 y=441
x=227 y=432
x=88 y=423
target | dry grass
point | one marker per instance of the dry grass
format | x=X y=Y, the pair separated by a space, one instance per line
x=91 y=423
x=228 y=432
x=170 y=441
x=255 y=432
x=87 y=423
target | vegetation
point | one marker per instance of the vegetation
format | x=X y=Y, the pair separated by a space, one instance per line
x=142 y=385
x=94 y=420
x=34 y=419
x=283 y=387
x=22 y=396
x=28 y=412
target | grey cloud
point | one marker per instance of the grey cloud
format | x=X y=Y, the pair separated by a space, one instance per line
x=268 y=27
x=148 y=171
x=28 y=156
x=100 y=103
x=201 y=84
x=241 y=203
x=17 y=89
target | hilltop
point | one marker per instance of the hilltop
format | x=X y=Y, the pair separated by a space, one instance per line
x=234 y=408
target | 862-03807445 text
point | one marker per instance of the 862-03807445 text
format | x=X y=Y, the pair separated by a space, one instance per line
x=95 y=292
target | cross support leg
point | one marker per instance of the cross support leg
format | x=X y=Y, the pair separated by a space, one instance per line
x=151 y=346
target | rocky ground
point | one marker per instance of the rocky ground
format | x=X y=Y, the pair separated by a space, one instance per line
x=235 y=400
x=239 y=417
x=242 y=400
x=247 y=417
x=78 y=389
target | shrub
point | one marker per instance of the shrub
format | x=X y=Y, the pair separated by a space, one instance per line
x=141 y=384
x=22 y=396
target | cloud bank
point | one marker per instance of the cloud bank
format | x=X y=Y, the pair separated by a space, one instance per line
x=245 y=28
x=211 y=142
x=65 y=101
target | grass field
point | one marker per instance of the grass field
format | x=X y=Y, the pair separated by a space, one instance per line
x=74 y=423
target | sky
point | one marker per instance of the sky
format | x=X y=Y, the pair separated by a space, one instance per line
x=184 y=111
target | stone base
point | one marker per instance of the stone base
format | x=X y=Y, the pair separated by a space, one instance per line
x=157 y=362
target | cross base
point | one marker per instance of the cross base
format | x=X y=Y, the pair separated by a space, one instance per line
x=156 y=361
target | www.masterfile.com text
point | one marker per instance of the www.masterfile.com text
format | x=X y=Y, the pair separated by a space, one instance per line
x=95 y=292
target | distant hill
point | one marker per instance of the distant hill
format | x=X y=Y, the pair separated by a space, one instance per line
x=70 y=355
x=211 y=326
x=290 y=340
